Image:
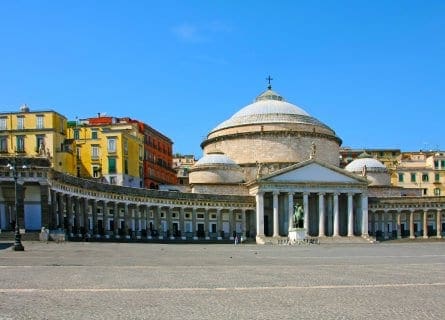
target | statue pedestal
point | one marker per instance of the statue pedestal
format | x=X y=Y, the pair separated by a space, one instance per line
x=297 y=234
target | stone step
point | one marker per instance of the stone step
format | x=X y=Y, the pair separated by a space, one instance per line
x=28 y=236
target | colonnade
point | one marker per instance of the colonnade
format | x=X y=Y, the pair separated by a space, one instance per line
x=95 y=217
x=397 y=223
x=325 y=211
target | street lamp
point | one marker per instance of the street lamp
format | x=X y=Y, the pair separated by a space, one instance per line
x=18 y=246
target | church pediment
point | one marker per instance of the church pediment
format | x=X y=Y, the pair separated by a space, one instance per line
x=313 y=171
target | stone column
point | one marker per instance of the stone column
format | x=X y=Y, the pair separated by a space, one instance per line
x=306 y=212
x=195 y=236
x=350 y=215
x=137 y=221
x=275 y=214
x=86 y=224
x=60 y=208
x=329 y=218
x=291 y=210
x=69 y=213
x=169 y=222
x=94 y=214
x=399 y=224
x=365 y=218
x=126 y=221
x=219 y=223
x=383 y=226
x=105 y=218
x=336 y=216
x=78 y=214
x=243 y=223
x=206 y=224
x=411 y=225
x=321 y=213
x=45 y=208
x=438 y=224
x=53 y=220
x=232 y=222
x=425 y=224
x=157 y=222
x=260 y=214
x=181 y=223
x=116 y=222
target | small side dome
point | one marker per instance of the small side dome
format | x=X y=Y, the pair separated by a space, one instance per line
x=214 y=158
x=24 y=108
x=371 y=165
x=215 y=168
x=375 y=171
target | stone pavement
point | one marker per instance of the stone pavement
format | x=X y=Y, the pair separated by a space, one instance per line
x=161 y=281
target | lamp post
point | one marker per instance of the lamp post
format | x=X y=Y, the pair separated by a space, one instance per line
x=18 y=246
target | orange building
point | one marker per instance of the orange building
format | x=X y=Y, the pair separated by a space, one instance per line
x=158 y=158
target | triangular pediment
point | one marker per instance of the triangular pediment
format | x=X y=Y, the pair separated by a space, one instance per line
x=313 y=172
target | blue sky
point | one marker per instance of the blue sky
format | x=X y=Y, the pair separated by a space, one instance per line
x=371 y=70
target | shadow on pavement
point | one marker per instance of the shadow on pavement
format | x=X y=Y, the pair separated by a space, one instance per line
x=5 y=245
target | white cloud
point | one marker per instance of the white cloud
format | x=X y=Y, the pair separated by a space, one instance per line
x=187 y=32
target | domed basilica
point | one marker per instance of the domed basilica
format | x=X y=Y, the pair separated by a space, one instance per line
x=287 y=159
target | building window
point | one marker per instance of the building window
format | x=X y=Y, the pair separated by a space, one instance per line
x=425 y=192
x=3 y=144
x=96 y=172
x=413 y=177
x=200 y=216
x=400 y=177
x=111 y=165
x=436 y=164
x=3 y=124
x=76 y=134
x=442 y=163
x=20 y=143
x=40 y=122
x=437 y=177
x=95 y=152
x=94 y=134
x=40 y=144
x=126 y=166
x=111 y=144
x=113 y=180
x=425 y=177
x=437 y=191
x=20 y=123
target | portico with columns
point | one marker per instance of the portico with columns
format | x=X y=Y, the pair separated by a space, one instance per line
x=334 y=201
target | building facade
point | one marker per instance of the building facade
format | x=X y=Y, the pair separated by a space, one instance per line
x=108 y=149
x=259 y=166
x=158 y=158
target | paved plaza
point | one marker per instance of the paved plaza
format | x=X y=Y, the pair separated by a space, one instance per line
x=216 y=281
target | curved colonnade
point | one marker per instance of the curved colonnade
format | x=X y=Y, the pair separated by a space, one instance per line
x=86 y=208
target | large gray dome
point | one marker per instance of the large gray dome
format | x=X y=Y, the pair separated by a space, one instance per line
x=274 y=133
x=269 y=107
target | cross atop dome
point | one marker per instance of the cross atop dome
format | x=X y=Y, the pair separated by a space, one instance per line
x=269 y=79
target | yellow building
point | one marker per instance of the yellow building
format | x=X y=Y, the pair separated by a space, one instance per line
x=108 y=149
x=424 y=170
x=29 y=133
